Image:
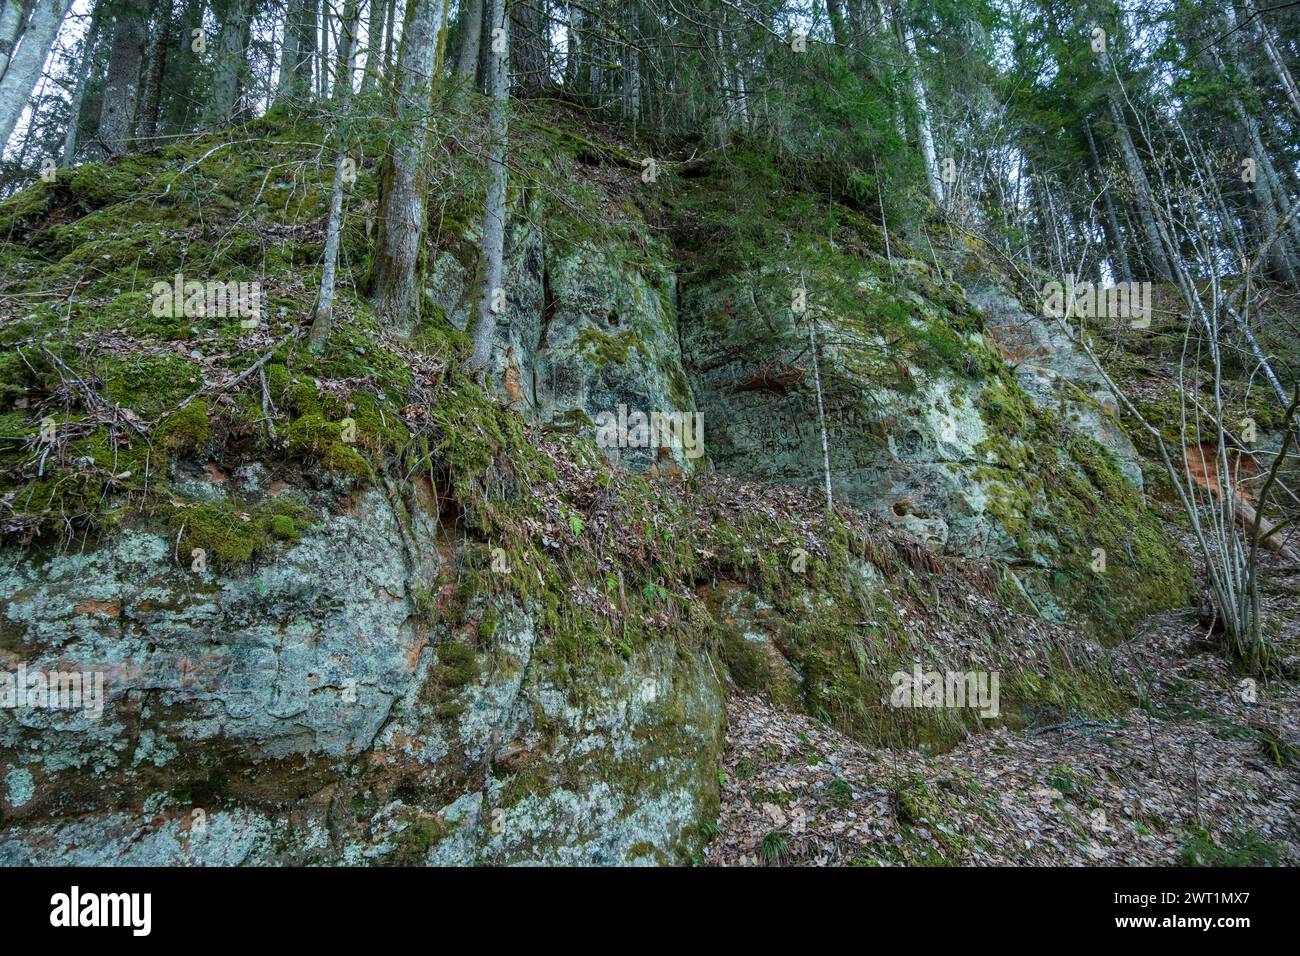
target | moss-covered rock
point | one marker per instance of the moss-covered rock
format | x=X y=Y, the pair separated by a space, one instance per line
x=925 y=423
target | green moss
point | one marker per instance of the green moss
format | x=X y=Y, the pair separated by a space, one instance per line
x=219 y=531
x=284 y=528
x=229 y=534
x=313 y=437
x=24 y=208
x=94 y=185
x=601 y=349
x=186 y=429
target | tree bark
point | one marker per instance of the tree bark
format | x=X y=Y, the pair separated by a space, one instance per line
x=924 y=129
x=122 y=83
x=390 y=28
x=146 y=126
x=397 y=283
x=13 y=14
x=230 y=64
x=323 y=52
x=178 y=76
x=79 y=92
x=821 y=412
x=1119 y=256
x=28 y=62
x=308 y=68
x=494 y=213
x=471 y=29
x=1154 y=250
x=839 y=31
x=374 y=46
x=324 y=320
x=1274 y=57
x=288 y=86
x=527 y=47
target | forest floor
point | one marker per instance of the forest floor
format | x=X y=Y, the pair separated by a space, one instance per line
x=1195 y=773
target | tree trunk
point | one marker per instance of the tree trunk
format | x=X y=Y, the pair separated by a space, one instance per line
x=13 y=13
x=924 y=130
x=821 y=412
x=28 y=62
x=178 y=75
x=79 y=92
x=308 y=68
x=122 y=83
x=471 y=29
x=1271 y=203
x=527 y=47
x=374 y=46
x=323 y=52
x=146 y=126
x=389 y=42
x=1274 y=57
x=288 y=85
x=1154 y=249
x=441 y=57
x=836 y=14
x=397 y=283
x=229 y=64
x=1114 y=237
x=320 y=329
x=494 y=212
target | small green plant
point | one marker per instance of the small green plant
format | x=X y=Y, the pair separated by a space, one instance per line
x=775 y=846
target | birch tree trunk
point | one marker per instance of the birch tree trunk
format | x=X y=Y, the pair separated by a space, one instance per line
x=397 y=283
x=924 y=130
x=324 y=320
x=389 y=42
x=494 y=213
x=28 y=62
x=821 y=412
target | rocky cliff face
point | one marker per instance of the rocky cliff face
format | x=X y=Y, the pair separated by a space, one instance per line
x=357 y=609
x=927 y=424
